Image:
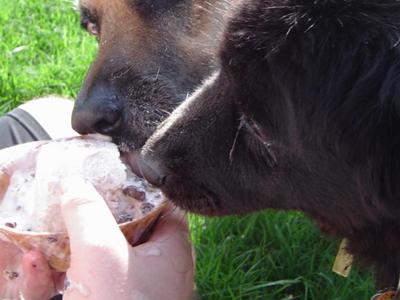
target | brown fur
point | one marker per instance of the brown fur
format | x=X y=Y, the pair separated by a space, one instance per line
x=151 y=55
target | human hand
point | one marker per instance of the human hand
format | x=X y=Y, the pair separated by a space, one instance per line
x=105 y=266
x=26 y=275
x=102 y=260
x=23 y=275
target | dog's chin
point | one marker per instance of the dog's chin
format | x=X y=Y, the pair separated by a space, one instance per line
x=200 y=206
x=193 y=199
x=185 y=194
x=201 y=198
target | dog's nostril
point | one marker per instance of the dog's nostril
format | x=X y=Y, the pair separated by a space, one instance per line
x=103 y=117
x=108 y=124
x=92 y=121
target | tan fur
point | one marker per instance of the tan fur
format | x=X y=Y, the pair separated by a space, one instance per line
x=151 y=56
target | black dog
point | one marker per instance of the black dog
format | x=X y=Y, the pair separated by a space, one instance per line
x=302 y=115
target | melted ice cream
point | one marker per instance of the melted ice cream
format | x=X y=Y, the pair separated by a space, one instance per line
x=31 y=202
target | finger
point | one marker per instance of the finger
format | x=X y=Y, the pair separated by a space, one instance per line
x=88 y=220
x=171 y=235
x=10 y=270
x=171 y=238
x=172 y=220
x=37 y=282
x=18 y=151
x=59 y=280
x=169 y=255
x=99 y=251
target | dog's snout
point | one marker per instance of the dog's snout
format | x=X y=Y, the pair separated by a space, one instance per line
x=100 y=111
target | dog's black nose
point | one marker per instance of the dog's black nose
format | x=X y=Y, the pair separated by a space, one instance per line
x=99 y=111
x=147 y=168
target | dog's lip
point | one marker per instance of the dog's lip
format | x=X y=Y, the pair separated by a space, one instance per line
x=131 y=159
x=134 y=160
x=143 y=168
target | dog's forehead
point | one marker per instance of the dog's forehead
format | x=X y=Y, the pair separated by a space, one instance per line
x=134 y=5
x=102 y=4
x=154 y=15
x=155 y=4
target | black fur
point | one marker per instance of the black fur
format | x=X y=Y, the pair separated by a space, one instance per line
x=302 y=115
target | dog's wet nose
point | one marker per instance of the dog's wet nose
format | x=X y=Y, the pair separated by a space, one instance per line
x=98 y=112
x=148 y=169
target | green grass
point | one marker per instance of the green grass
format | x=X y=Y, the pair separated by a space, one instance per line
x=264 y=256
x=270 y=255
x=42 y=50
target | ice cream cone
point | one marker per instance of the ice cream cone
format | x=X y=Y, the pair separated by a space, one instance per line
x=55 y=247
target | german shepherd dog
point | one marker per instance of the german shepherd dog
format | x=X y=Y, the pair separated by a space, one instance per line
x=152 y=54
x=301 y=116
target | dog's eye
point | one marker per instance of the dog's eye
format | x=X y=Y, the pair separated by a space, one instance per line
x=90 y=21
x=92 y=28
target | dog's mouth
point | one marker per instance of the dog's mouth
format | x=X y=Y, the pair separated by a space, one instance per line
x=131 y=159
x=181 y=192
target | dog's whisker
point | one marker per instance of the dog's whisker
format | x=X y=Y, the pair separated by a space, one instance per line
x=166 y=112
x=259 y=133
x=187 y=96
x=158 y=73
x=396 y=43
x=231 y=152
x=121 y=73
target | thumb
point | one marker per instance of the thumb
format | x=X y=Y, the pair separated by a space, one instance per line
x=88 y=220
x=37 y=277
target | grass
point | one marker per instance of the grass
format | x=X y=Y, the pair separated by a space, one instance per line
x=271 y=255
x=42 y=50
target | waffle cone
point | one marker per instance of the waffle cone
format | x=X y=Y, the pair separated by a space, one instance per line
x=55 y=247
